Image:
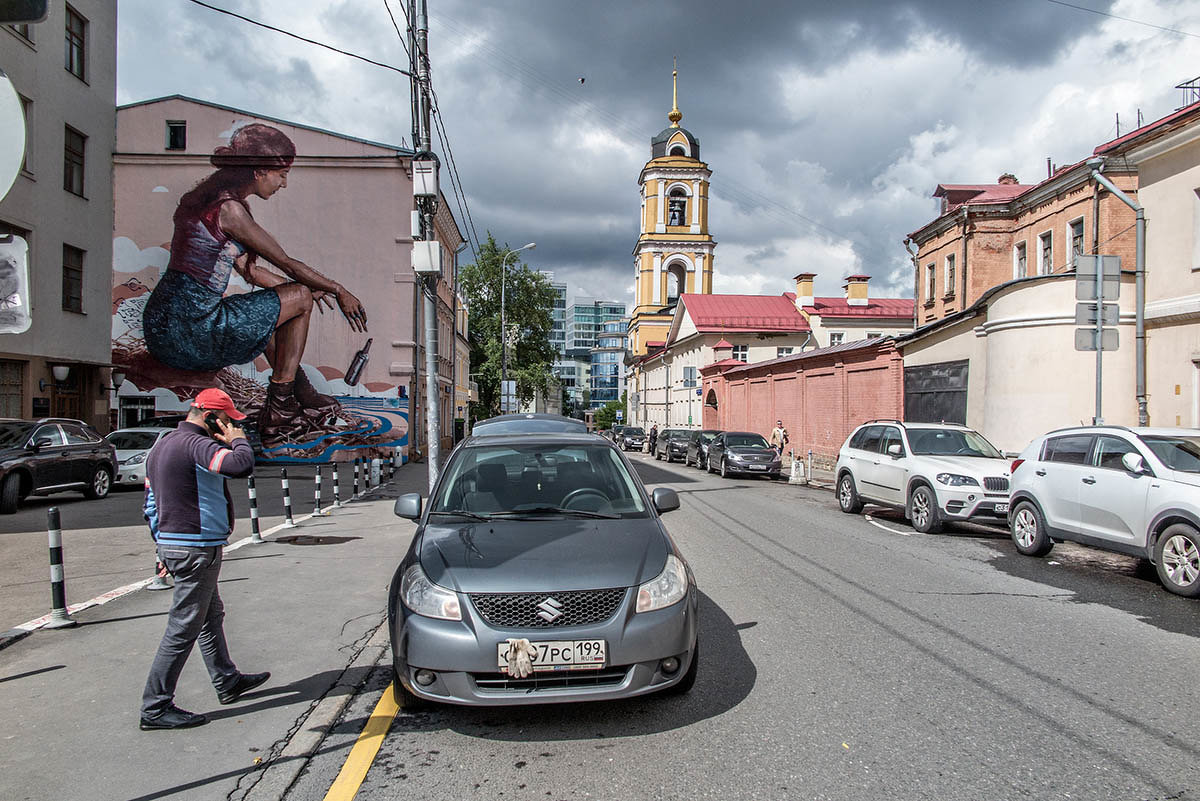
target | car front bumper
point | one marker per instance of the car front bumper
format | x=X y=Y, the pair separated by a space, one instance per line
x=130 y=475
x=967 y=503
x=462 y=655
x=774 y=468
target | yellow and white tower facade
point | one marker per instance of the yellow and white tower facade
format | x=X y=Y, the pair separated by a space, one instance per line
x=674 y=252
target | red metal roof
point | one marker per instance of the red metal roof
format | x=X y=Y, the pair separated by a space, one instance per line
x=973 y=194
x=1167 y=120
x=876 y=307
x=723 y=343
x=742 y=313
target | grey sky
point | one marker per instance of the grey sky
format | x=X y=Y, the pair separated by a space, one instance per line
x=826 y=125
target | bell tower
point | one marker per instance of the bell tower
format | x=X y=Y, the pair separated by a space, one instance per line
x=674 y=251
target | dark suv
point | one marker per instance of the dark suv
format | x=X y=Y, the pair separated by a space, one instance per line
x=38 y=457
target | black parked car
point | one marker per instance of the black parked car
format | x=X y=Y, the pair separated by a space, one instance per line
x=631 y=438
x=743 y=452
x=672 y=444
x=697 y=449
x=38 y=457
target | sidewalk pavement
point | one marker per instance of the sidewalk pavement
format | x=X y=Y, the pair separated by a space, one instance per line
x=303 y=605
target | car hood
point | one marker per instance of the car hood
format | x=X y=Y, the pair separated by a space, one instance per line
x=543 y=555
x=747 y=450
x=7 y=454
x=968 y=465
x=125 y=453
x=1191 y=479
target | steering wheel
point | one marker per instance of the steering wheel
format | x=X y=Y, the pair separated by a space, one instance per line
x=582 y=492
x=963 y=452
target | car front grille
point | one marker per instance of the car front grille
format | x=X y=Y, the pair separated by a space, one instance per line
x=502 y=682
x=995 y=484
x=529 y=610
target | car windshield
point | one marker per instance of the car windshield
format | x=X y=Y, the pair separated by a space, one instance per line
x=674 y=433
x=1177 y=453
x=633 y=432
x=745 y=441
x=561 y=477
x=950 y=442
x=13 y=435
x=132 y=440
x=708 y=436
x=531 y=425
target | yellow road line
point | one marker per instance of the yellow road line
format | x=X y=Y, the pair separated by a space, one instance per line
x=354 y=771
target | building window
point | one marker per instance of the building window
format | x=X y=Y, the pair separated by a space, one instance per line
x=837 y=337
x=950 y=275
x=1020 y=257
x=741 y=353
x=23 y=30
x=74 y=145
x=1076 y=230
x=176 y=135
x=781 y=352
x=874 y=334
x=12 y=388
x=72 y=279
x=930 y=282
x=76 y=53
x=1046 y=253
x=27 y=111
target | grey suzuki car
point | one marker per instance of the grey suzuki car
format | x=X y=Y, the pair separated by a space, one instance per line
x=546 y=548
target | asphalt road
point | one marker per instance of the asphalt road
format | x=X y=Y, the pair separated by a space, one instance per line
x=846 y=657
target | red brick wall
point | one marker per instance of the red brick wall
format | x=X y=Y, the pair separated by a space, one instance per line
x=820 y=397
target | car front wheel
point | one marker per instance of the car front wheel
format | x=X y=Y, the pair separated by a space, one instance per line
x=724 y=468
x=10 y=495
x=1177 y=556
x=1029 y=530
x=100 y=485
x=923 y=511
x=848 y=499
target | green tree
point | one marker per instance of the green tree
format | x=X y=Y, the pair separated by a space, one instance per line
x=528 y=305
x=606 y=415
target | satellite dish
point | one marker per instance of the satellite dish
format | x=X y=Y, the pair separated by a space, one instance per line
x=12 y=134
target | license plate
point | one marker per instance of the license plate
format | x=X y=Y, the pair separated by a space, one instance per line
x=1001 y=507
x=560 y=655
x=758 y=467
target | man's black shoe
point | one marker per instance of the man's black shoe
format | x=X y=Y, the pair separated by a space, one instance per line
x=173 y=718
x=244 y=684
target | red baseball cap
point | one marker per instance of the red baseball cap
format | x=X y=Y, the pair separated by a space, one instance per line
x=217 y=400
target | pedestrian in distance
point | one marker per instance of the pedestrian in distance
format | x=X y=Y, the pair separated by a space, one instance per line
x=190 y=512
x=779 y=436
x=653 y=436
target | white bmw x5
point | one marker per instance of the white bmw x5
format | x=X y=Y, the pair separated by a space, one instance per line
x=933 y=472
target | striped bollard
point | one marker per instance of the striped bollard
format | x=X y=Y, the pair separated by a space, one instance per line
x=60 y=618
x=356 y=461
x=392 y=466
x=255 y=530
x=337 y=493
x=287 y=501
x=317 y=493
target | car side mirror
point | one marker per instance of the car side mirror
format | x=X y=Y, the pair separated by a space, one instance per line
x=665 y=500
x=1134 y=463
x=42 y=442
x=409 y=506
x=895 y=449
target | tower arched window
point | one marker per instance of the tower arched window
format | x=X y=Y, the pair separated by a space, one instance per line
x=677 y=207
x=678 y=150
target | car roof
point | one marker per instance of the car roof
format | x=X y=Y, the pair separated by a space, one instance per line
x=751 y=433
x=1150 y=431
x=140 y=430
x=536 y=438
x=537 y=420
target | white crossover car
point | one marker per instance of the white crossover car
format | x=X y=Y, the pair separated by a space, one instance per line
x=933 y=472
x=132 y=446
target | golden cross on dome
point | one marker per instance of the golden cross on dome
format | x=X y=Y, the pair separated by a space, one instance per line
x=676 y=115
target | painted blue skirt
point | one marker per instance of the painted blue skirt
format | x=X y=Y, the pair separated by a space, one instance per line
x=189 y=327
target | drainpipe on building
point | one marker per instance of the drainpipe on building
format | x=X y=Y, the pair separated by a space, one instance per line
x=1139 y=284
x=912 y=254
x=963 y=303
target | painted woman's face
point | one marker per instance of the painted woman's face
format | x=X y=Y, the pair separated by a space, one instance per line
x=268 y=182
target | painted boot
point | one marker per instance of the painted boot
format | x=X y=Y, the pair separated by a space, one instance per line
x=281 y=419
x=312 y=402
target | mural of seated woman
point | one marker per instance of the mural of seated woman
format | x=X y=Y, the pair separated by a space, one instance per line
x=190 y=324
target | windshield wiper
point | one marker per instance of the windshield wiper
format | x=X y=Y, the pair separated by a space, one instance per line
x=462 y=513
x=558 y=510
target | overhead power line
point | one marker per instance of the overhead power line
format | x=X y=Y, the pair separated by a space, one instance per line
x=1123 y=19
x=301 y=38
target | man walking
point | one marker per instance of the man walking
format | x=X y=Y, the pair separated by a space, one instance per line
x=779 y=436
x=190 y=513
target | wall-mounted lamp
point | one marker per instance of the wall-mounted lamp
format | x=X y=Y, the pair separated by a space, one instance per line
x=60 y=373
x=118 y=378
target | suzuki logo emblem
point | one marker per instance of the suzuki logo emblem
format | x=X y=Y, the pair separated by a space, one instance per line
x=550 y=610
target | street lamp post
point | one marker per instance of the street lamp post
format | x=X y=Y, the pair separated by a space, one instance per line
x=503 y=332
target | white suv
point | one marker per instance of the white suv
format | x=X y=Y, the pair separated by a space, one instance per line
x=1131 y=490
x=933 y=472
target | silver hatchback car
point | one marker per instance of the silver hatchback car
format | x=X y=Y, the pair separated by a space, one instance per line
x=541 y=572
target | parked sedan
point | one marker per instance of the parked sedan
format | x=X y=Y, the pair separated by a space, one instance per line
x=38 y=457
x=133 y=446
x=672 y=444
x=540 y=573
x=743 y=452
x=697 y=449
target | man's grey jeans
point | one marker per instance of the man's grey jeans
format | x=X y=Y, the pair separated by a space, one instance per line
x=196 y=613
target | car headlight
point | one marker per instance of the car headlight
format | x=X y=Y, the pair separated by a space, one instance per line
x=669 y=588
x=955 y=480
x=137 y=458
x=737 y=457
x=426 y=598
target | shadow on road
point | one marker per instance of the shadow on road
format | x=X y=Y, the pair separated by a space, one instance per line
x=656 y=475
x=727 y=675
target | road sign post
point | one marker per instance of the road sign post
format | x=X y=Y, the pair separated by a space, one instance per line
x=1097 y=279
